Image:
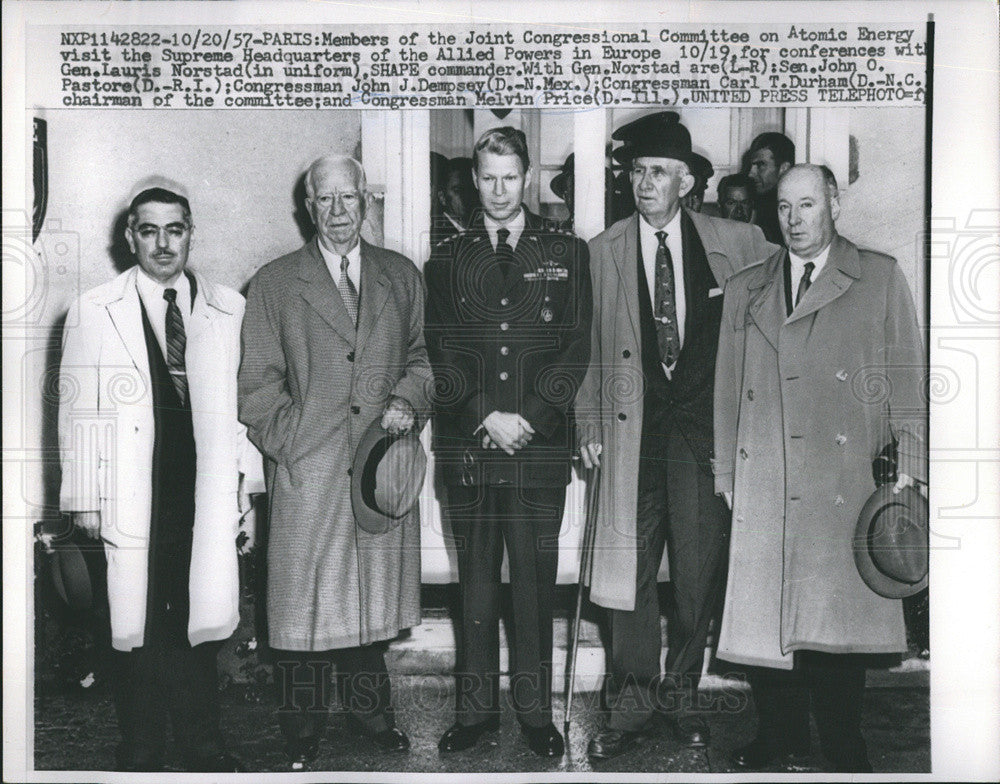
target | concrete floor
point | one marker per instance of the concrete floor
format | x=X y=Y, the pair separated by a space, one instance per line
x=77 y=731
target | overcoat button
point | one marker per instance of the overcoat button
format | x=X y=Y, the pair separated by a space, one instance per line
x=504 y=326
x=504 y=350
x=743 y=453
x=839 y=500
x=355 y=409
x=841 y=375
x=350 y=356
x=749 y=394
x=504 y=376
x=505 y=302
x=841 y=439
x=622 y=417
x=626 y=353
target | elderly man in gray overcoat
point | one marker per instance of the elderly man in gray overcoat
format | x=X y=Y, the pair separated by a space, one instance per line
x=646 y=404
x=820 y=366
x=332 y=340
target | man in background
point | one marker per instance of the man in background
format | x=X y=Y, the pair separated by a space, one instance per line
x=736 y=198
x=771 y=155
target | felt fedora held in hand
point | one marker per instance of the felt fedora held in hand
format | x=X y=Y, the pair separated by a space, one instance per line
x=386 y=477
x=891 y=542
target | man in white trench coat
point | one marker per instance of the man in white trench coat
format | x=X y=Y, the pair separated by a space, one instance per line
x=820 y=366
x=332 y=341
x=156 y=465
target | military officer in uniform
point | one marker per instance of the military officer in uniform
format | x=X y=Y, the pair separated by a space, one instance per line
x=508 y=332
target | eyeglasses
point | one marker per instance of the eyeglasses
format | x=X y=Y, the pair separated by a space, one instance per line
x=347 y=198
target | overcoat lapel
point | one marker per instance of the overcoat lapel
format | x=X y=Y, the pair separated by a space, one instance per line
x=767 y=298
x=125 y=314
x=321 y=292
x=843 y=267
x=625 y=251
x=375 y=288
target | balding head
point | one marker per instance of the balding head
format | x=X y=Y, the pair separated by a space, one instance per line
x=808 y=206
x=337 y=199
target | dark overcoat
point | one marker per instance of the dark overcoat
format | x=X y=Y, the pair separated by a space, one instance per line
x=803 y=404
x=310 y=384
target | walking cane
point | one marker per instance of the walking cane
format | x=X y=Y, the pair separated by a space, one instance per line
x=586 y=559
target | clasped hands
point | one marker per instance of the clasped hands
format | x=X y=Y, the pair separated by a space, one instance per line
x=507 y=431
x=399 y=416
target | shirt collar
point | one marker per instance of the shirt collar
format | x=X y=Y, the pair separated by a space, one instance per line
x=152 y=289
x=798 y=263
x=333 y=259
x=648 y=232
x=515 y=226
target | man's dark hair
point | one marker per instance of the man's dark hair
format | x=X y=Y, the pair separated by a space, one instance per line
x=159 y=196
x=737 y=180
x=781 y=147
x=502 y=141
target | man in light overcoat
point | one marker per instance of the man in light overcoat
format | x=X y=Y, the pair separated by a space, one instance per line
x=645 y=413
x=332 y=340
x=157 y=466
x=820 y=366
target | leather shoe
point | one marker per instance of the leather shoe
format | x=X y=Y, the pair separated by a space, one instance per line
x=219 y=762
x=759 y=754
x=390 y=739
x=459 y=737
x=544 y=741
x=692 y=731
x=611 y=743
x=302 y=753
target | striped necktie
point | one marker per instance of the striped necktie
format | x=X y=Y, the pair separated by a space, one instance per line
x=347 y=291
x=176 y=343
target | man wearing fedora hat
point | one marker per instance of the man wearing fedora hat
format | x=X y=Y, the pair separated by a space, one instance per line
x=820 y=365
x=645 y=414
x=158 y=468
x=332 y=347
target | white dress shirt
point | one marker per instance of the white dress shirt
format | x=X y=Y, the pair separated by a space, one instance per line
x=353 y=264
x=797 y=268
x=515 y=226
x=649 y=245
x=151 y=294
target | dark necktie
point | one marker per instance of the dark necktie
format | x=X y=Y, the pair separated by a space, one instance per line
x=668 y=336
x=347 y=291
x=176 y=343
x=505 y=253
x=805 y=282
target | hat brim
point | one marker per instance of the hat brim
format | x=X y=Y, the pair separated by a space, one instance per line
x=376 y=441
x=881 y=583
x=558 y=185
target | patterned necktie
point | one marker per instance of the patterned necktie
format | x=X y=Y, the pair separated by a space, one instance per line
x=805 y=282
x=176 y=343
x=668 y=335
x=347 y=291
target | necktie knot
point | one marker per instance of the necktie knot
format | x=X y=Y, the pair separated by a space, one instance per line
x=807 y=275
x=806 y=281
x=502 y=236
x=170 y=295
x=661 y=237
x=344 y=263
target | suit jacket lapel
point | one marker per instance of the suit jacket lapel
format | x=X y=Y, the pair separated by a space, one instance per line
x=321 y=292
x=375 y=288
x=843 y=267
x=767 y=298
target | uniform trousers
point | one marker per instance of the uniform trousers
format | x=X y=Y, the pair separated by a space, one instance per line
x=831 y=685
x=526 y=519
x=304 y=688
x=677 y=507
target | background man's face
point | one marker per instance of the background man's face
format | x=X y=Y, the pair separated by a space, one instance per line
x=658 y=185
x=160 y=238
x=736 y=204
x=337 y=206
x=455 y=197
x=500 y=180
x=695 y=199
x=764 y=171
x=806 y=212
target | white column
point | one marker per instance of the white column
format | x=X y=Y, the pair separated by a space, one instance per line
x=589 y=135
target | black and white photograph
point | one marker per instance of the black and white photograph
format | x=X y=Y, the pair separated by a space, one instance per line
x=563 y=392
